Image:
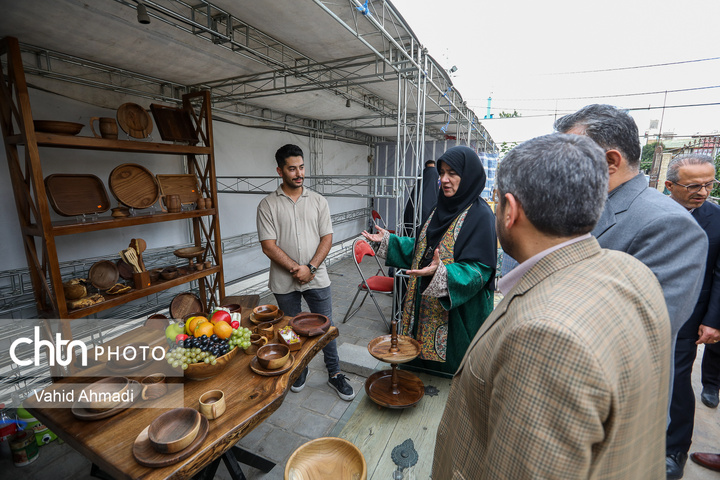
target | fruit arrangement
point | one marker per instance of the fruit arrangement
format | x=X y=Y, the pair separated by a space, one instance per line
x=205 y=340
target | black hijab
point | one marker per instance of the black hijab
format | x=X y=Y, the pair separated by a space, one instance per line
x=476 y=240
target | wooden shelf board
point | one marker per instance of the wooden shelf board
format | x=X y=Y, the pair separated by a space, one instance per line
x=70 y=227
x=159 y=286
x=70 y=141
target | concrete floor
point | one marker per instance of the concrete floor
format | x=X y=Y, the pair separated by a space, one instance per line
x=317 y=411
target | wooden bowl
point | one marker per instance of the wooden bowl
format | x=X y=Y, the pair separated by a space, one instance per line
x=265 y=312
x=273 y=356
x=60 y=128
x=103 y=274
x=174 y=430
x=73 y=291
x=203 y=371
x=326 y=458
x=168 y=273
x=154 y=275
x=100 y=395
x=233 y=307
x=310 y=324
x=189 y=252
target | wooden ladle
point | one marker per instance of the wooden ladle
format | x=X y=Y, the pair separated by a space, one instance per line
x=139 y=245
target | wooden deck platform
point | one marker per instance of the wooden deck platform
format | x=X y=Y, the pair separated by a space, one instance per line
x=376 y=431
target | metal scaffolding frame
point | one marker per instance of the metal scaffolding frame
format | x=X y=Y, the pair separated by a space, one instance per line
x=425 y=107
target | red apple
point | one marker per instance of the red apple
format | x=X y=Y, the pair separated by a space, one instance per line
x=221 y=316
x=235 y=324
x=181 y=337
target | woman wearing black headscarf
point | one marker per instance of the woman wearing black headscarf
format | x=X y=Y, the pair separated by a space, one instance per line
x=451 y=265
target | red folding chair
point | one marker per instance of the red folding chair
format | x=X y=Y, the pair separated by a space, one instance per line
x=379 y=220
x=378 y=283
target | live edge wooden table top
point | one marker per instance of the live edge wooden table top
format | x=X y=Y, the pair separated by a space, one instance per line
x=250 y=399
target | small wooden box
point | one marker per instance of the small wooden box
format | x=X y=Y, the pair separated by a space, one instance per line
x=142 y=280
x=294 y=347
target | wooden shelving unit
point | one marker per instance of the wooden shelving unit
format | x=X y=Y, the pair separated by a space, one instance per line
x=23 y=147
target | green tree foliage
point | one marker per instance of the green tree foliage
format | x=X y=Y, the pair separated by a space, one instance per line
x=505 y=147
x=648 y=151
x=514 y=114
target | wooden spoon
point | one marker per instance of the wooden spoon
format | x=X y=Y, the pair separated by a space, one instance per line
x=132 y=258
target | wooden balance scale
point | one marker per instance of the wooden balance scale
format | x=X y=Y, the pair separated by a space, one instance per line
x=394 y=388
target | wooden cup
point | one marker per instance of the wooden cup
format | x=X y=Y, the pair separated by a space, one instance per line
x=256 y=341
x=107 y=126
x=267 y=330
x=173 y=203
x=212 y=404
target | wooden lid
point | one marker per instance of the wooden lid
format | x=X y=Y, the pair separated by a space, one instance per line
x=134 y=185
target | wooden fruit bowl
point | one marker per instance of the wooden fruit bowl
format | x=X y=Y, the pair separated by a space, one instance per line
x=326 y=458
x=203 y=371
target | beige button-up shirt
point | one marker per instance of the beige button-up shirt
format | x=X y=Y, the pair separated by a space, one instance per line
x=296 y=228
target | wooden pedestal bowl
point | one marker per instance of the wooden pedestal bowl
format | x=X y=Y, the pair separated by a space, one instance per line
x=174 y=430
x=264 y=313
x=203 y=371
x=326 y=458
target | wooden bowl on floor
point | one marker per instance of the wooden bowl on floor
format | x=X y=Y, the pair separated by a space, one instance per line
x=264 y=313
x=326 y=458
x=174 y=430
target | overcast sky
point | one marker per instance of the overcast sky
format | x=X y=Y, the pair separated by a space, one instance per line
x=526 y=55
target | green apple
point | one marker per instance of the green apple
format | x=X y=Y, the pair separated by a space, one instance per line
x=172 y=331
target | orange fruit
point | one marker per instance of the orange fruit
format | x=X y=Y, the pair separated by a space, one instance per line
x=204 y=328
x=193 y=322
x=223 y=330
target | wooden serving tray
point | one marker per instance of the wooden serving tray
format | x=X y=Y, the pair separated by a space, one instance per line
x=134 y=185
x=75 y=194
x=185 y=185
x=174 y=124
x=134 y=120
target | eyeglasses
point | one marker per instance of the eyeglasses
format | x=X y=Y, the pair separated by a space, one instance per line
x=696 y=187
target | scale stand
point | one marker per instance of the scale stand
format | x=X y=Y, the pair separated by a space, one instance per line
x=394 y=388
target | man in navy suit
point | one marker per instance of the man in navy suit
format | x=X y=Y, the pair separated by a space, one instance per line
x=690 y=179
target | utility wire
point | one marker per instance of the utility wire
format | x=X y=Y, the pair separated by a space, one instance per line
x=652 y=65
x=678 y=90
x=633 y=109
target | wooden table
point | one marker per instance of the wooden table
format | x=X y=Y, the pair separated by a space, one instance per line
x=250 y=399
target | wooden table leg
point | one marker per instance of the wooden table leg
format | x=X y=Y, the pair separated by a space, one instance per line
x=253 y=460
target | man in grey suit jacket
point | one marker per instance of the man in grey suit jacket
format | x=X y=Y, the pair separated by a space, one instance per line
x=640 y=220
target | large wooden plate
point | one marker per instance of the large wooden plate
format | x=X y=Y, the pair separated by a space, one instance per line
x=147 y=456
x=71 y=194
x=184 y=185
x=134 y=185
x=310 y=324
x=103 y=274
x=174 y=124
x=184 y=304
x=255 y=367
x=134 y=120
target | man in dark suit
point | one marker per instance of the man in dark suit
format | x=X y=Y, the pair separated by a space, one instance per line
x=690 y=178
